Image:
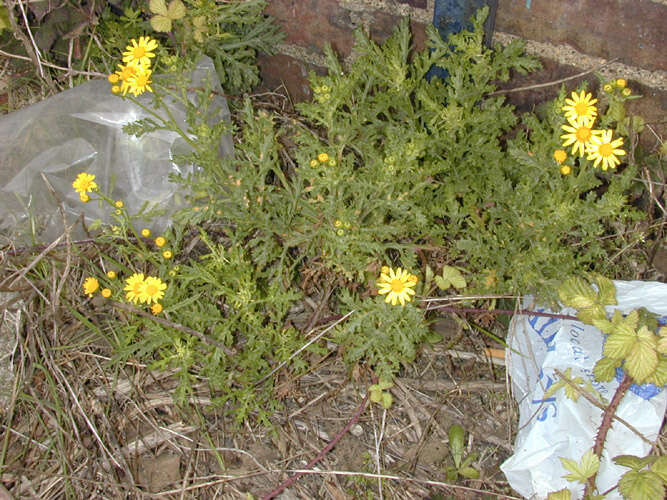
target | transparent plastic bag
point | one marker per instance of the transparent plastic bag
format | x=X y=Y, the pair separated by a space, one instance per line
x=81 y=130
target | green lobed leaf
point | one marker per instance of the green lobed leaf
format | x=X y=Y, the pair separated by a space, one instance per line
x=577 y=293
x=641 y=485
x=659 y=467
x=633 y=462
x=563 y=494
x=158 y=7
x=454 y=276
x=642 y=361
x=607 y=291
x=619 y=346
x=581 y=471
x=161 y=23
x=469 y=472
x=176 y=10
x=605 y=369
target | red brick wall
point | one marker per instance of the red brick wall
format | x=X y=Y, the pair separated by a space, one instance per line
x=570 y=36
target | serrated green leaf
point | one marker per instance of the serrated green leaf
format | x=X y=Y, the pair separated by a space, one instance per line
x=659 y=467
x=554 y=388
x=456 y=436
x=642 y=361
x=662 y=345
x=590 y=314
x=641 y=485
x=161 y=23
x=619 y=346
x=176 y=10
x=659 y=376
x=563 y=494
x=605 y=369
x=602 y=324
x=158 y=7
x=626 y=325
x=633 y=462
x=580 y=472
x=607 y=291
x=577 y=293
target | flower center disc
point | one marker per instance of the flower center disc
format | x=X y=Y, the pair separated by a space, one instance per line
x=151 y=290
x=605 y=150
x=583 y=134
x=139 y=52
x=397 y=286
x=581 y=108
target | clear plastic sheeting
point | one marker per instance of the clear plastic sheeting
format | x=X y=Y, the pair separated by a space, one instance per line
x=44 y=146
x=554 y=426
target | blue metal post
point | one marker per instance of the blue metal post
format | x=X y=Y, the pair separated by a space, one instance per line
x=451 y=16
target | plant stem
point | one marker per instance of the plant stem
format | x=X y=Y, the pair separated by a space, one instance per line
x=605 y=425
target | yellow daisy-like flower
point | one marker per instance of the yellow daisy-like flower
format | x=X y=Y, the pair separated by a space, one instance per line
x=145 y=232
x=156 y=308
x=152 y=290
x=84 y=197
x=621 y=83
x=560 y=155
x=580 y=108
x=565 y=170
x=124 y=74
x=113 y=78
x=115 y=89
x=160 y=241
x=323 y=157
x=140 y=52
x=140 y=82
x=111 y=275
x=119 y=204
x=84 y=183
x=579 y=136
x=604 y=150
x=167 y=254
x=106 y=293
x=397 y=285
x=134 y=286
x=90 y=286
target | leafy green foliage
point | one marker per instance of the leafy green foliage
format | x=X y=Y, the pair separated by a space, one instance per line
x=582 y=470
x=378 y=394
x=450 y=277
x=462 y=464
x=563 y=494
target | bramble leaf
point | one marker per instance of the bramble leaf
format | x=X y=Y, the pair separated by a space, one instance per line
x=176 y=10
x=580 y=472
x=607 y=291
x=641 y=485
x=659 y=467
x=642 y=361
x=633 y=462
x=563 y=494
x=161 y=23
x=589 y=315
x=619 y=346
x=158 y=7
x=605 y=369
x=577 y=293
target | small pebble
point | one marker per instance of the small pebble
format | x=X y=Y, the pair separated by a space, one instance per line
x=357 y=430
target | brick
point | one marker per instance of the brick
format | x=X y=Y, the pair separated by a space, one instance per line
x=420 y=4
x=313 y=23
x=635 y=32
x=287 y=71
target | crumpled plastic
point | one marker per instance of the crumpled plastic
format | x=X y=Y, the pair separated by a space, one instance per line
x=553 y=427
x=80 y=130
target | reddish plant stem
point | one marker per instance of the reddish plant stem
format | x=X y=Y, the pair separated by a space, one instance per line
x=605 y=425
x=321 y=454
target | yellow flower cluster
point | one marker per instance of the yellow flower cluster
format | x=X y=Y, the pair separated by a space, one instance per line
x=598 y=145
x=324 y=159
x=134 y=76
x=397 y=285
x=146 y=290
x=84 y=184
